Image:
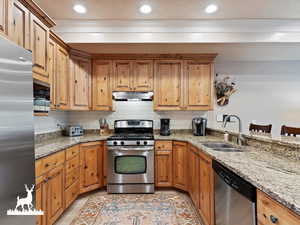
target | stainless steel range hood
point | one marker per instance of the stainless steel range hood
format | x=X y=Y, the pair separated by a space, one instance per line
x=132 y=96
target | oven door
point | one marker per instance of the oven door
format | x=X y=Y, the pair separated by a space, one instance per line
x=130 y=165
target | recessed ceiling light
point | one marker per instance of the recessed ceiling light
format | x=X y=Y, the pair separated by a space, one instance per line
x=211 y=8
x=79 y=8
x=145 y=9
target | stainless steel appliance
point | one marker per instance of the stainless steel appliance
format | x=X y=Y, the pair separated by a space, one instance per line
x=131 y=157
x=165 y=127
x=73 y=131
x=199 y=125
x=16 y=130
x=235 y=198
x=132 y=96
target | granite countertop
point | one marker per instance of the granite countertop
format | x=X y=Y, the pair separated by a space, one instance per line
x=275 y=175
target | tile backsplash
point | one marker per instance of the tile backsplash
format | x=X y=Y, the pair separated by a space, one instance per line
x=134 y=110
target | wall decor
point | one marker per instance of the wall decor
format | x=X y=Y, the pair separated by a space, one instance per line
x=225 y=87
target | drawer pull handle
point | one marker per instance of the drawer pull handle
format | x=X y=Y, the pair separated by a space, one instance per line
x=273 y=219
x=46 y=165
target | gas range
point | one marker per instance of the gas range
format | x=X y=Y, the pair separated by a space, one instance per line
x=132 y=132
x=131 y=157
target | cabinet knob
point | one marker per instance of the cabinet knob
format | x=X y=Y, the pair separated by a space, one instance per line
x=273 y=219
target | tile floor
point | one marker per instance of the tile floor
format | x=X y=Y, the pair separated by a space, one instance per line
x=166 y=207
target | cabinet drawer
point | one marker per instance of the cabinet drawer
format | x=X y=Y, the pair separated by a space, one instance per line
x=72 y=164
x=71 y=194
x=71 y=152
x=72 y=177
x=163 y=145
x=270 y=212
x=48 y=163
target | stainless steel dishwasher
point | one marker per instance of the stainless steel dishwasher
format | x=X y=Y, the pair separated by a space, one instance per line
x=235 y=198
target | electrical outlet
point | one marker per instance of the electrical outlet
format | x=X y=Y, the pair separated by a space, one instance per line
x=220 y=118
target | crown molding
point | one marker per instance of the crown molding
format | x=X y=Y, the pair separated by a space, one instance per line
x=178 y=31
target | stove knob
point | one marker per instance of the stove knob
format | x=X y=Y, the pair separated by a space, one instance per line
x=138 y=142
x=145 y=142
x=115 y=143
x=122 y=142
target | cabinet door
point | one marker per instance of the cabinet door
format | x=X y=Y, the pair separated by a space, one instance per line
x=206 y=190
x=18 y=24
x=143 y=75
x=40 y=200
x=198 y=86
x=102 y=94
x=180 y=165
x=62 y=78
x=80 y=83
x=123 y=75
x=104 y=165
x=55 y=194
x=194 y=174
x=168 y=85
x=52 y=72
x=163 y=168
x=91 y=173
x=3 y=16
x=39 y=36
x=268 y=210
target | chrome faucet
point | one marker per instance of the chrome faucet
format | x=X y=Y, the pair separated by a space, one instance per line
x=240 y=138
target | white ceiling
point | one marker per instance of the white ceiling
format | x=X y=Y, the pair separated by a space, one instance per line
x=174 y=9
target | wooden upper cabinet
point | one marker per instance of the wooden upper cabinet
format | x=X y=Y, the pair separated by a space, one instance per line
x=39 y=36
x=80 y=86
x=3 y=16
x=52 y=71
x=102 y=92
x=123 y=75
x=168 y=85
x=180 y=154
x=198 y=86
x=18 y=24
x=143 y=75
x=62 y=78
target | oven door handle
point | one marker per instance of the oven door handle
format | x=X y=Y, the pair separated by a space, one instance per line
x=143 y=149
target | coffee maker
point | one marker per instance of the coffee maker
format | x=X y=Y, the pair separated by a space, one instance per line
x=165 y=127
x=199 y=126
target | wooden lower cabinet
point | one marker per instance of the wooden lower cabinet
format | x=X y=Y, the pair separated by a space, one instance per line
x=270 y=212
x=40 y=199
x=91 y=166
x=206 y=189
x=55 y=194
x=180 y=154
x=163 y=164
x=193 y=174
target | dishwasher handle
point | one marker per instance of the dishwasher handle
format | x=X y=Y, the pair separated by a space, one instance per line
x=235 y=181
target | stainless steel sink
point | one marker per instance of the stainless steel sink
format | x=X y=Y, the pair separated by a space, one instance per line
x=217 y=145
x=222 y=147
x=227 y=149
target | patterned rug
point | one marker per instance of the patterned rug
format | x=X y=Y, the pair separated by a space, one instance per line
x=161 y=208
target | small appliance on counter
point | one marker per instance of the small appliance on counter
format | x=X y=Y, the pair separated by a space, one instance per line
x=199 y=125
x=73 y=131
x=104 y=128
x=165 y=127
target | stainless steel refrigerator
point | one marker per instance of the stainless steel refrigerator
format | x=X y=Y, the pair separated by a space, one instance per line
x=16 y=130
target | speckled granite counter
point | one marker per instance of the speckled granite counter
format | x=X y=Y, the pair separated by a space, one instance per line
x=277 y=176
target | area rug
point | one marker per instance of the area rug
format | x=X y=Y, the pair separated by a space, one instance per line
x=161 y=208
